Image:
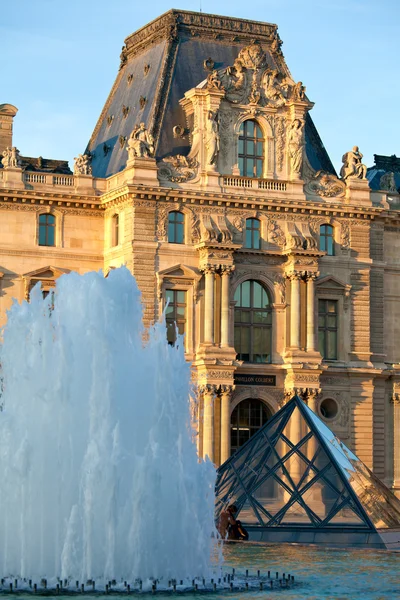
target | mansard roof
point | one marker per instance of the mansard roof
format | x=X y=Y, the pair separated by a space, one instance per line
x=384 y=165
x=162 y=61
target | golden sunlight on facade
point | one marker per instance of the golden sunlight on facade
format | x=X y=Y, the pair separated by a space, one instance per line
x=206 y=176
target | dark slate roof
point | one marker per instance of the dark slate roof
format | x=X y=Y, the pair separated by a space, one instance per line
x=175 y=46
x=383 y=164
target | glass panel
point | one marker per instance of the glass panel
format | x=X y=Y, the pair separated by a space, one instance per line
x=169 y=295
x=250 y=147
x=250 y=128
x=261 y=316
x=249 y=167
x=257 y=295
x=42 y=218
x=171 y=232
x=180 y=296
x=256 y=240
x=329 y=248
x=179 y=235
x=248 y=239
x=260 y=347
x=42 y=235
x=241 y=146
x=332 y=306
x=259 y=168
x=245 y=316
x=180 y=312
x=245 y=300
x=260 y=149
x=331 y=349
x=241 y=166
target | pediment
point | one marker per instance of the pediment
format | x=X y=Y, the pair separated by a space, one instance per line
x=180 y=271
x=333 y=283
x=48 y=272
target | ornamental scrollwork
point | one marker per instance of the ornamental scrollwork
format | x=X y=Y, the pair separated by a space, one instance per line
x=178 y=169
x=325 y=185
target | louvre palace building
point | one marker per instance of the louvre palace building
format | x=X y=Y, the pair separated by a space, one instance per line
x=206 y=176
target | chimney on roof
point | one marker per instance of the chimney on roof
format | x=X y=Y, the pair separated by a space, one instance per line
x=7 y=114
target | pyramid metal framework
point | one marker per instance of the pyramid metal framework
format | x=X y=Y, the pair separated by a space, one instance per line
x=295 y=481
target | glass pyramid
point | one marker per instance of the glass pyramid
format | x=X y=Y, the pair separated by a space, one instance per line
x=295 y=475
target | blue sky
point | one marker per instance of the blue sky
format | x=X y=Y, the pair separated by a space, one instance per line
x=60 y=59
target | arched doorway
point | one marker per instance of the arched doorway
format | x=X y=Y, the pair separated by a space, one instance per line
x=246 y=419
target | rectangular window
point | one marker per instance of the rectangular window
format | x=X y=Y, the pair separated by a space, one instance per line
x=328 y=328
x=175 y=314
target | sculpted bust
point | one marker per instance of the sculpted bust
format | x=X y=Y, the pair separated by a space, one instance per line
x=352 y=165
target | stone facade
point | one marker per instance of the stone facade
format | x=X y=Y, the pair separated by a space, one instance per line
x=102 y=222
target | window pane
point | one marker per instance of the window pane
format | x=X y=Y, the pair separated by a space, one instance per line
x=331 y=350
x=259 y=168
x=50 y=235
x=332 y=306
x=250 y=128
x=261 y=316
x=42 y=235
x=250 y=147
x=257 y=295
x=42 y=218
x=249 y=167
x=329 y=248
x=331 y=321
x=241 y=146
x=180 y=296
x=245 y=294
x=245 y=316
x=180 y=312
x=169 y=295
x=171 y=232
x=241 y=166
x=248 y=239
x=260 y=149
x=179 y=217
x=322 y=243
x=256 y=240
x=321 y=343
x=237 y=296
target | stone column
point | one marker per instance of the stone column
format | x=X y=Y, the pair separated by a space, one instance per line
x=225 y=274
x=295 y=308
x=209 y=273
x=311 y=332
x=209 y=392
x=226 y=393
x=395 y=399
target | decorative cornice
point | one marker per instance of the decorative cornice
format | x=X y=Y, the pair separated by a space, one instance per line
x=169 y=25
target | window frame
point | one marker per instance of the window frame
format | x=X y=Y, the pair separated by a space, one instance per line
x=177 y=227
x=176 y=320
x=251 y=325
x=327 y=239
x=326 y=329
x=252 y=230
x=235 y=427
x=255 y=157
x=47 y=226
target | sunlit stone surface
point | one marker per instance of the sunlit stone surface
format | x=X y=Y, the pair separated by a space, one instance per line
x=99 y=475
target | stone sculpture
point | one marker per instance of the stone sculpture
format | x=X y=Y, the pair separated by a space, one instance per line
x=140 y=143
x=82 y=165
x=296 y=146
x=387 y=182
x=352 y=165
x=212 y=138
x=11 y=158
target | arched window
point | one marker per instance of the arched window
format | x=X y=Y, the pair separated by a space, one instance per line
x=326 y=239
x=251 y=149
x=253 y=323
x=253 y=239
x=47 y=227
x=176 y=227
x=247 y=418
x=115 y=230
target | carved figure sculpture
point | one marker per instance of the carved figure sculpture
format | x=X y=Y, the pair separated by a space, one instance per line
x=387 y=182
x=212 y=137
x=11 y=158
x=352 y=165
x=214 y=82
x=273 y=88
x=82 y=165
x=236 y=82
x=296 y=146
x=299 y=91
x=141 y=143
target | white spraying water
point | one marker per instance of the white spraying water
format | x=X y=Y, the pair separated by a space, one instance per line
x=99 y=477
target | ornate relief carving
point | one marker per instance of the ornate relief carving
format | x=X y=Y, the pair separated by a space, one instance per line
x=178 y=169
x=212 y=137
x=253 y=57
x=275 y=233
x=280 y=141
x=344 y=235
x=325 y=185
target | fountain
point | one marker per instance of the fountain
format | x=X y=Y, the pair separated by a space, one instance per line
x=100 y=478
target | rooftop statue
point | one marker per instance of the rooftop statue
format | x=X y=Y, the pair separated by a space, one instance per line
x=387 y=182
x=82 y=165
x=352 y=165
x=11 y=158
x=141 y=143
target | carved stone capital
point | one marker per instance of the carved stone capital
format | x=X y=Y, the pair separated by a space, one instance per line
x=209 y=269
x=226 y=390
x=311 y=275
x=227 y=270
x=209 y=389
x=295 y=275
